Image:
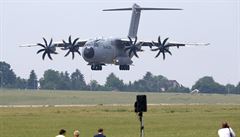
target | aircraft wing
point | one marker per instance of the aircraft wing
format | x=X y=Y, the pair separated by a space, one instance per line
x=162 y=47
x=153 y=44
x=57 y=44
x=48 y=48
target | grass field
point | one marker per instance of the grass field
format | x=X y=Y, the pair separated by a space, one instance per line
x=19 y=97
x=160 y=121
x=180 y=118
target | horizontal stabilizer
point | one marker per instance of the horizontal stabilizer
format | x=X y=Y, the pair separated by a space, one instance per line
x=122 y=9
x=160 y=9
x=117 y=9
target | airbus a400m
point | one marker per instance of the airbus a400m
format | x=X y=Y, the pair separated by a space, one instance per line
x=117 y=51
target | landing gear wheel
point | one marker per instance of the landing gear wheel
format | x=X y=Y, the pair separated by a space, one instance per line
x=124 y=67
x=96 y=67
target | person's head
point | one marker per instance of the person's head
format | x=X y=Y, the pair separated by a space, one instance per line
x=76 y=133
x=225 y=125
x=62 y=132
x=100 y=130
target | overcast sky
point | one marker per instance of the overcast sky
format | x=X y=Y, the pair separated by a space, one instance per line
x=205 y=21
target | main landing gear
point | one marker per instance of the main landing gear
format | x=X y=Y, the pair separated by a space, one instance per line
x=99 y=67
x=124 y=67
x=96 y=67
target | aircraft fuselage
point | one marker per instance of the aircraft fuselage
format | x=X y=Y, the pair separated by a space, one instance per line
x=105 y=51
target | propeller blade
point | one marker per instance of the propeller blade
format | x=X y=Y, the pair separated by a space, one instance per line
x=135 y=41
x=72 y=55
x=64 y=42
x=155 y=49
x=158 y=54
x=49 y=55
x=164 y=42
x=164 y=56
x=130 y=40
x=41 y=50
x=45 y=41
x=70 y=40
x=67 y=53
x=44 y=54
x=50 y=42
x=39 y=44
x=74 y=42
x=127 y=48
x=135 y=53
x=159 y=40
x=168 y=51
x=78 y=52
x=130 y=52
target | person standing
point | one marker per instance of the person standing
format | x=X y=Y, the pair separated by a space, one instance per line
x=62 y=133
x=100 y=133
x=76 y=133
x=226 y=131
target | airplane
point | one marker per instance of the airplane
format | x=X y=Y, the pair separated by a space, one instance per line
x=117 y=51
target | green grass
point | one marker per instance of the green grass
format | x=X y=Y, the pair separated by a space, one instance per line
x=160 y=121
x=21 y=97
x=184 y=115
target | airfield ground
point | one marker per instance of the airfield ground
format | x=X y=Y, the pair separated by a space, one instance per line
x=171 y=115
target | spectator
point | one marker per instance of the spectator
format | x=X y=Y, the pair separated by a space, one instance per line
x=100 y=133
x=76 y=133
x=62 y=133
x=226 y=131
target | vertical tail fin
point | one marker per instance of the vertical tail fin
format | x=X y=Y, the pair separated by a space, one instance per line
x=136 y=13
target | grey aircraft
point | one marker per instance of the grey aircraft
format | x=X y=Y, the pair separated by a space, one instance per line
x=117 y=51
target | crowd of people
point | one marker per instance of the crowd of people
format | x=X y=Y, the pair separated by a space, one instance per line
x=76 y=133
x=224 y=131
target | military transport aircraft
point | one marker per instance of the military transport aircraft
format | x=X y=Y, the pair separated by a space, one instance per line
x=117 y=51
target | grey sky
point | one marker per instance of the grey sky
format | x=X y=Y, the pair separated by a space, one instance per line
x=216 y=22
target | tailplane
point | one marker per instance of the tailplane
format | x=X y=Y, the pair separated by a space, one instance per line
x=136 y=12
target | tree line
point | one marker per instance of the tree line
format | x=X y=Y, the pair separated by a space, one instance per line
x=55 y=80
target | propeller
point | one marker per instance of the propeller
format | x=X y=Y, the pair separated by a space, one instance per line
x=162 y=47
x=71 y=46
x=48 y=49
x=133 y=47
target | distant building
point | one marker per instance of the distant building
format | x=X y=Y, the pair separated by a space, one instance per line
x=173 y=84
x=195 y=91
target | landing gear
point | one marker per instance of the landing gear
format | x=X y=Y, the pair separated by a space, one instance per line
x=124 y=67
x=96 y=67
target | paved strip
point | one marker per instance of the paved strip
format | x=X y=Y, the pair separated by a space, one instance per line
x=94 y=105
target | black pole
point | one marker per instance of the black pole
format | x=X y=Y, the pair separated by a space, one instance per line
x=140 y=114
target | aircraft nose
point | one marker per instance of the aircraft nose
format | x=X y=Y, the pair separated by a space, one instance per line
x=88 y=52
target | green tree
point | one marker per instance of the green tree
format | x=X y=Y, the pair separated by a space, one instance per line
x=237 y=89
x=32 y=81
x=7 y=76
x=208 y=85
x=21 y=83
x=94 y=86
x=151 y=83
x=64 y=82
x=114 y=83
x=77 y=81
x=50 y=79
x=230 y=88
